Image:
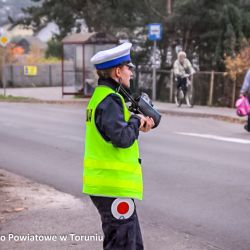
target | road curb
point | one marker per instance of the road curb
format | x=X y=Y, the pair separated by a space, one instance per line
x=203 y=115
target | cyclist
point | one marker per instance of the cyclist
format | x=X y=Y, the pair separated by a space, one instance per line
x=183 y=70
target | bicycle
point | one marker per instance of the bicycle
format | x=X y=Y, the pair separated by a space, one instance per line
x=186 y=94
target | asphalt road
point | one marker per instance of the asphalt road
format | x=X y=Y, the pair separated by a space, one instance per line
x=196 y=170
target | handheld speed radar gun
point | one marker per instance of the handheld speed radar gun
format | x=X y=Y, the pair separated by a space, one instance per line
x=142 y=104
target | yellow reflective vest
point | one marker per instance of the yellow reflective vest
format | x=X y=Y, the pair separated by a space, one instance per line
x=109 y=171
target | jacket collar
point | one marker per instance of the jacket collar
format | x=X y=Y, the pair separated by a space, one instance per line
x=111 y=83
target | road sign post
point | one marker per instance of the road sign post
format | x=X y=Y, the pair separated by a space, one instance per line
x=3 y=75
x=154 y=34
x=154 y=74
x=4 y=40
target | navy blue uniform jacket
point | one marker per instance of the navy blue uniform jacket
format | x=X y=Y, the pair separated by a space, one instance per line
x=109 y=119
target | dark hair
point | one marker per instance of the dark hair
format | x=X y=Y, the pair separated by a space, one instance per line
x=104 y=73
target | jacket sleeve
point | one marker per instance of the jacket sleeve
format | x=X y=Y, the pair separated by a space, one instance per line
x=109 y=120
x=246 y=84
x=190 y=67
x=176 y=68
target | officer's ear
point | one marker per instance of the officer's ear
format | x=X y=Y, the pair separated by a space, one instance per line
x=118 y=72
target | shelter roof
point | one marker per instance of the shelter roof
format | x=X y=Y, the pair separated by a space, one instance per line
x=94 y=37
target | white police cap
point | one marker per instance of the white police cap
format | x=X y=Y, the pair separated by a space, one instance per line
x=112 y=57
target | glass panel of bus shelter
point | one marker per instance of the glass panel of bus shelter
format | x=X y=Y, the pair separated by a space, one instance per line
x=79 y=58
x=79 y=81
x=69 y=67
x=90 y=72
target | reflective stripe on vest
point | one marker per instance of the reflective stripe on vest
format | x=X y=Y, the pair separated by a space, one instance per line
x=108 y=170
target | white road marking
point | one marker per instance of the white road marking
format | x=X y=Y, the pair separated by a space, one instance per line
x=64 y=136
x=215 y=137
x=72 y=137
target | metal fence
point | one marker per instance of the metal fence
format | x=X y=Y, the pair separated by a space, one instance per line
x=210 y=88
x=47 y=75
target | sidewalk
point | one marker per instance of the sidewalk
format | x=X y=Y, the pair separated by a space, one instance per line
x=30 y=212
x=35 y=216
x=54 y=95
x=220 y=113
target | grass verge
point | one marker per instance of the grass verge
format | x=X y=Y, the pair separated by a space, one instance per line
x=15 y=98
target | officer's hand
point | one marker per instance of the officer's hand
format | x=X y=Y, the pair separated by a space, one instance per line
x=146 y=123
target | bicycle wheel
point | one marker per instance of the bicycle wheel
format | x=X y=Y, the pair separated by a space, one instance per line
x=179 y=95
x=189 y=97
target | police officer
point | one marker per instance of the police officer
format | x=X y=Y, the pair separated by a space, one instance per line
x=112 y=173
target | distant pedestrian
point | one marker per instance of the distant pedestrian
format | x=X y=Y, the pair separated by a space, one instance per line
x=112 y=173
x=245 y=90
x=183 y=71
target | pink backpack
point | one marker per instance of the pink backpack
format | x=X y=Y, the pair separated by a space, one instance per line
x=242 y=106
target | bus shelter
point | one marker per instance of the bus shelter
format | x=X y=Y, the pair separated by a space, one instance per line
x=78 y=73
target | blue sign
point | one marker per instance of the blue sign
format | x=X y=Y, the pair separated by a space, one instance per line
x=154 y=31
